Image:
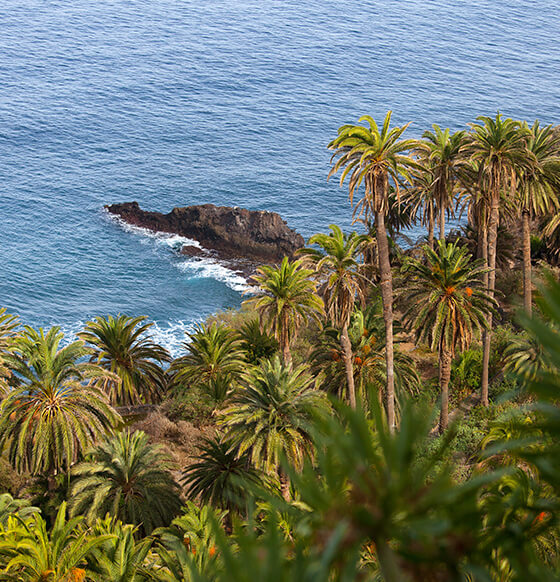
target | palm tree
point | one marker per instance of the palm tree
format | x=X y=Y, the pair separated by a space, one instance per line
x=497 y=147
x=256 y=343
x=8 y=326
x=54 y=415
x=121 y=345
x=38 y=554
x=10 y=507
x=420 y=198
x=121 y=558
x=187 y=549
x=129 y=478
x=537 y=192
x=214 y=363
x=440 y=153
x=374 y=158
x=270 y=417
x=367 y=337
x=447 y=306
x=337 y=269
x=288 y=297
x=220 y=476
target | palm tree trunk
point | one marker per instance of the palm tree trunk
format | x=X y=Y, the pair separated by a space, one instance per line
x=527 y=291
x=286 y=354
x=444 y=377
x=431 y=227
x=285 y=486
x=442 y=224
x=492 y=248
x=386 y=283
x=349 y=368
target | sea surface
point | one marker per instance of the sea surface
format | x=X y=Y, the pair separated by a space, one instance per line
x=179 y=102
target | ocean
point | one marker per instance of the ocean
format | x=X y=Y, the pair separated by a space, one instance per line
x=177 y=102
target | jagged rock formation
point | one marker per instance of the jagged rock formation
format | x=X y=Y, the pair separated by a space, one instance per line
x=233 y=233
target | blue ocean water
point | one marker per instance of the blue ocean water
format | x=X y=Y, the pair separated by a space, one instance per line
x=178 y=102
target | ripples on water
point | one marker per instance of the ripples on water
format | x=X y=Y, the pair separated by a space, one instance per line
x=177 y=102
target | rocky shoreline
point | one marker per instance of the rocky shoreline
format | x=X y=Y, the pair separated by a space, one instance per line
x=239 y=236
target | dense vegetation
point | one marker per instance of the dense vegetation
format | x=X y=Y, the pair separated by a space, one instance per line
x=372 y=413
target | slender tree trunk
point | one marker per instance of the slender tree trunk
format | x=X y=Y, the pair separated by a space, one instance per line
x=444 y=377
x=431 y=227
x=386 y=284
x=285 y=486
x=492 y=249
x=349 y=368
x=442 y=224
x=286 y=354
x=527 y=290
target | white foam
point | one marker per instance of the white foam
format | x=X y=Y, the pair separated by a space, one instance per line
x=204 y=268
x=194 y=268
x=171 y=336
x=174 y=241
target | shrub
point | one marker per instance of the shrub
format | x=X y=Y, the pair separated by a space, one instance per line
x=192 y=406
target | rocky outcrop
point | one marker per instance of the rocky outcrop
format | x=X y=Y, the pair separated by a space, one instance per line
x=233 y=233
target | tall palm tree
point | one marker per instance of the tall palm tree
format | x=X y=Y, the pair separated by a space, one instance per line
x=288 y=297
x=375 y=157
x=214 y=361
x=129 y=478
x=270 y=418
x=538 y=191
x=37 y=554
x=121 y=345
x=448 y=305
x=440 y=153
x=220 y=475
x=340 y=284
x=8 y=326
x=497 y=147
x=55 y=413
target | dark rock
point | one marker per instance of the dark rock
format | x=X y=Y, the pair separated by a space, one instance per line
x=192 y=251
x=231 y=232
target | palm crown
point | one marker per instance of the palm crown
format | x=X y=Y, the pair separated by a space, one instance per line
x=448 y=303
x=288 y=298
x=56 y=412
x=214 y=362
x=130 y=478
x=121 y=345
x=371 y=156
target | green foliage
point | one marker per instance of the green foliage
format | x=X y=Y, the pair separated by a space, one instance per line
x=122 y=345
x=187 y=548
x=129 y=478
x=35 y=554
x=256 y=344
x=367 y=338
x=271 y=416
x=371 y=156
x=8 y=327
x=194 y=406
x=287 y=298
x=120 y=558
x=220 y=476
x=54 y=415
x=10 y=507
x=447 y=303
x=465 y=372
x=213 y=364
